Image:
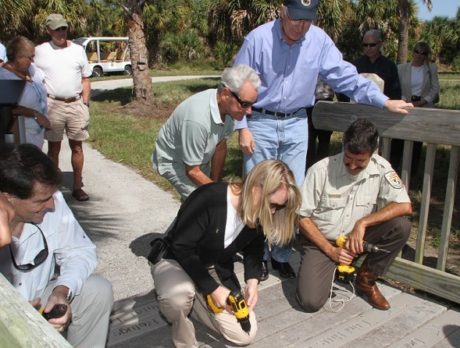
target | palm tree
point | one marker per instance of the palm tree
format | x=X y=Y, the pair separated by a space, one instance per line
x=405 y=8
x=331 y=17
x=138 y=50
x=21 y=17
x=230 y=20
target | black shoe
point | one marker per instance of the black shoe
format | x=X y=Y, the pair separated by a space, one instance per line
x=284 y=268
x=264 y=275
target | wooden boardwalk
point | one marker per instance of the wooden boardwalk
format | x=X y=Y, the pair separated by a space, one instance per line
x=413 y=321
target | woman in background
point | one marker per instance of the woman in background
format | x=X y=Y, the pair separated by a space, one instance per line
x=420 y=86
x=33 y=105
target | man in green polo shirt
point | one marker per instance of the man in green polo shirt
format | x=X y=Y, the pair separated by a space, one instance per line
x=191 y=146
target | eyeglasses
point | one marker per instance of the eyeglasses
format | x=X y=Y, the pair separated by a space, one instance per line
x=277 y=206
x=38 y=260
x=371 y=44
x=60 y=29
x=421 y=52
x=243 y=103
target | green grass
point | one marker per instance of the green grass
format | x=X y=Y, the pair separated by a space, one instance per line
x=450 y=91
x=128 y=137
x=124 y=136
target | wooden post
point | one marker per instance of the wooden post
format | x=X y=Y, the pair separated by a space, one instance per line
x=21 y=326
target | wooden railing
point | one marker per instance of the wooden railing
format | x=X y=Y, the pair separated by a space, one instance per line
x=20 y=324
x=434 y=127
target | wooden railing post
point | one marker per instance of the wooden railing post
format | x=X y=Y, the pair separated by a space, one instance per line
x=21 y=326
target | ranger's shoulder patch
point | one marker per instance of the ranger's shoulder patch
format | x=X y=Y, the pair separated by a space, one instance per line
x=393 y=179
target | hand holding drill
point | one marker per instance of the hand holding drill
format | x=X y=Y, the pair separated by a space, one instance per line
x=238 y=307
x=347 y=271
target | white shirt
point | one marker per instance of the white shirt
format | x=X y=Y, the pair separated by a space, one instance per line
x=417 y=79
x=63 y=67
x=33 y=97
x=234 y=225
x=68 y=245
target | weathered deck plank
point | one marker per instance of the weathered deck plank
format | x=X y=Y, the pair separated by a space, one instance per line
x=440 y=330
x=412 y=321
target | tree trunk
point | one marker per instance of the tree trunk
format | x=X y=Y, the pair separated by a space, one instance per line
x=403 y=34
x=139 y=58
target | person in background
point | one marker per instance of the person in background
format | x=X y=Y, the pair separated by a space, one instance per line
x=420 y=86
x=217 y=221
x=68 y=87
x=373 y=61
x=290 y=54
x=316 y=152
x=32 y=107
x=51 y=260
x=355 y=193
x=191 y=146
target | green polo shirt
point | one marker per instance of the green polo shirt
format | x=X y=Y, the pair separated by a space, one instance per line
x=191 y=134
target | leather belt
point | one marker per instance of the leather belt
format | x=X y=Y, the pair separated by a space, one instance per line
x=277 y=113
x=65 y=100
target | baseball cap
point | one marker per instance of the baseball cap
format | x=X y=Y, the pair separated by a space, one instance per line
x=302 y=9
x=55 y=20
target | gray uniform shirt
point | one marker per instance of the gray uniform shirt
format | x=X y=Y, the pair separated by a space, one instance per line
x=335 y=200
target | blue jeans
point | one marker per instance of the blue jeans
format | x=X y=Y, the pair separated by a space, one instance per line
x=285 y=139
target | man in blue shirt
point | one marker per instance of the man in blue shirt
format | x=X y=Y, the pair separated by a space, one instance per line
x=289 y=54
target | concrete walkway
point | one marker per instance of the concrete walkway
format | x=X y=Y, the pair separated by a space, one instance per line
x=124 y=213
x=103 y=85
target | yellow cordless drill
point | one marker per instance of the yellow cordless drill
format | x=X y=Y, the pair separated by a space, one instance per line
x=347 y=273
x=239 y=308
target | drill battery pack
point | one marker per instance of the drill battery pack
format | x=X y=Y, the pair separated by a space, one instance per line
x=345 y=274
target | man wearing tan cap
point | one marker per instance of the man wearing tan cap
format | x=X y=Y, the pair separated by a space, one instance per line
x=67 y=75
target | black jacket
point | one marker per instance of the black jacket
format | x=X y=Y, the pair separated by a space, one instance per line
x=196 y=240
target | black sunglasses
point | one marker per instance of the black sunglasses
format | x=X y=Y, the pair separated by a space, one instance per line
x=421 y=52
x=277 y=206
x=243 y=103
x=61 y=29
x=369 y=44
x=38 y=260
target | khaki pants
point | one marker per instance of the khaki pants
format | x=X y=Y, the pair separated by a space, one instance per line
x=316 y=268
x=90 y=312
x=178 y=299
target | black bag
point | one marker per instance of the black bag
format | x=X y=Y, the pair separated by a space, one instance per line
x=159 y=249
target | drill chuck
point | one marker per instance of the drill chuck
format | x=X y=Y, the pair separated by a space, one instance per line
x=370 y=248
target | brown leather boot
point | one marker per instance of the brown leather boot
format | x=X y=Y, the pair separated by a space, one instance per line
x=366 y=287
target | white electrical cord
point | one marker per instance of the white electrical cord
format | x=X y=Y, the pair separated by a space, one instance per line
x=341 y=301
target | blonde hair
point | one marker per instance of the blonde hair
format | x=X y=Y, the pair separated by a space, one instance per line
x=270 y=175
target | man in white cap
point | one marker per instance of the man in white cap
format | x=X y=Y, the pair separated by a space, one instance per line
x=289 y=54
x=67 y=75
